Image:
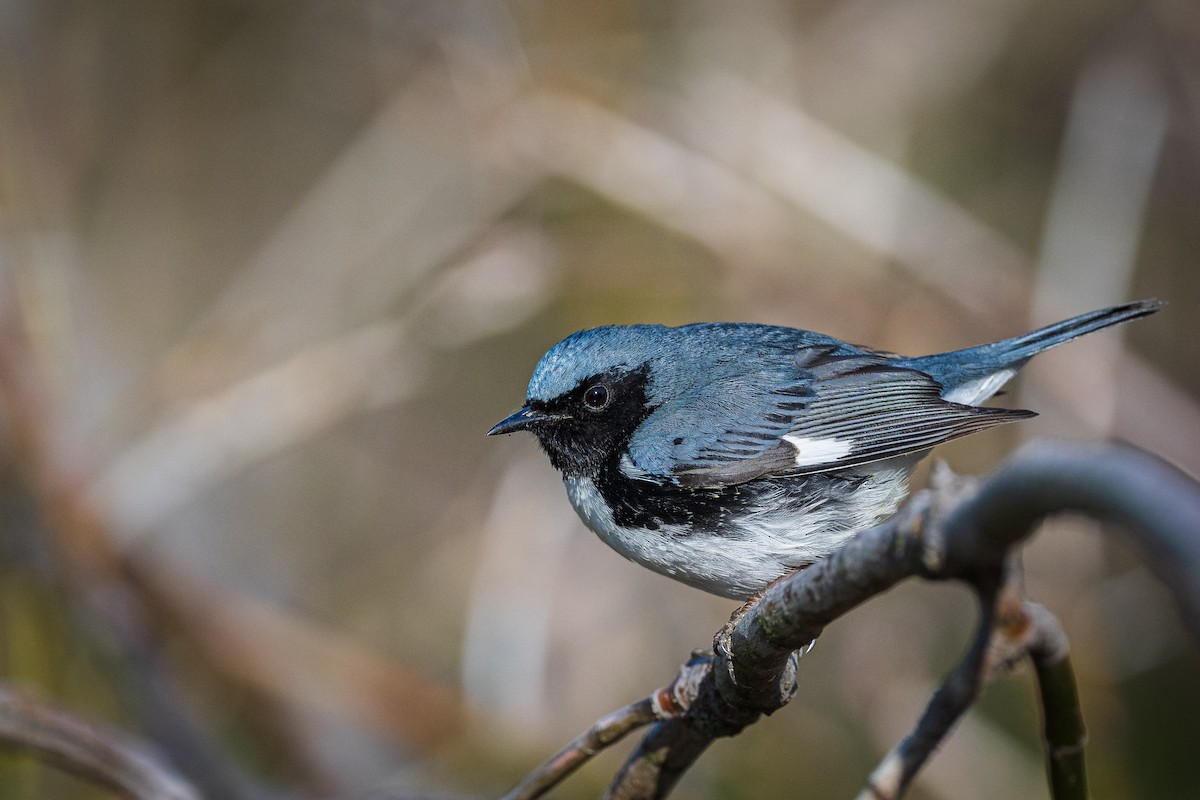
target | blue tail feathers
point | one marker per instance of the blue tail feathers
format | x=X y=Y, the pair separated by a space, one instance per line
x=975 y=364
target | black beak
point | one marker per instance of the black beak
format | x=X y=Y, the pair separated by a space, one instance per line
x=523 y=420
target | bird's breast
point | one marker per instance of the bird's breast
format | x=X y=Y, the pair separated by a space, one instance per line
x=733 y=540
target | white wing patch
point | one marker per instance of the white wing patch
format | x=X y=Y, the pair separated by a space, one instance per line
x=977 y=391
x=811 y=452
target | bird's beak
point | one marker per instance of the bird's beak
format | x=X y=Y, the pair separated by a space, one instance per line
x=523 y=420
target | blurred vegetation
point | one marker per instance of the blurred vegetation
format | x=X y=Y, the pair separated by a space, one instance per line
x=269 y=270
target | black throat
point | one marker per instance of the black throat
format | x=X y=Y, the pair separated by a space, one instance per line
x=585 y=439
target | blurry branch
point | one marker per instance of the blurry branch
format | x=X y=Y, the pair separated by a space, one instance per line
x=678 y=187
x=486 y=289
x=397 y=204
x=876 y=203
x=253 y=419
x=291 y=346
x=88 y=749
x=962 y=530
x=709 y=183
x=1116 y=128
x=248 y=641
x=139 y=601
x=88 y=559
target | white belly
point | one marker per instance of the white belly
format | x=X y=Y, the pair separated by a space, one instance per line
x=755 y=548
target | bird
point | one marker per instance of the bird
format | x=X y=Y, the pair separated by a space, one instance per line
x=726 y=455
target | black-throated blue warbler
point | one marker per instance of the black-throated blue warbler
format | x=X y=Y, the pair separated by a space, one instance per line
x=725 y=455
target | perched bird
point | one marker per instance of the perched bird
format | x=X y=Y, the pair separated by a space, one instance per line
x=725 y=455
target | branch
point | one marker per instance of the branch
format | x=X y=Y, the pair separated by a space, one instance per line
x=957 y=530
x=949 y=702
x=606 y=731
x=136 y=598
x=88 y=749
x=1010 y=630
x=1156 y=505
x=670 y=702
x=1063 y=733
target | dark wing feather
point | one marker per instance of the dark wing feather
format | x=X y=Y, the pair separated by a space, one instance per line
x=844 y=410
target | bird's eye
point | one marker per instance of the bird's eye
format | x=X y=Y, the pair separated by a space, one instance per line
x=596 y=397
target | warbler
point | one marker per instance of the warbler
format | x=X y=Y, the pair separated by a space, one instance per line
x=725 y=455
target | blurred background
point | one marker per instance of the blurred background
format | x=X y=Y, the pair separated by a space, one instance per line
x=268 y=271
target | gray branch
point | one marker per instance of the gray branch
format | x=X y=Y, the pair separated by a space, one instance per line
x=958 y=530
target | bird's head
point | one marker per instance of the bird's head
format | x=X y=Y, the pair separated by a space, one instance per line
x=589 y=393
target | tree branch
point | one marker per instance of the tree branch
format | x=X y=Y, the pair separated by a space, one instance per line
x=1063 y=733
x=670 y=702
x=951 y=700
x=88 y=749
x=1157 y=506
x=606 y=731
x=1010 y=630
x=962 y=530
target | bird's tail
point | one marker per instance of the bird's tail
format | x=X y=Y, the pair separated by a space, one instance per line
x=974 y=370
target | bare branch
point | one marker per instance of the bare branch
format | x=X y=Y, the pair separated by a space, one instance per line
x=659 y=761
x=1010 y=630
x=1063 y=733
x=607 y=730
x=670 y=702
x=961 y=531
x=88 y=749
x=949 y=702
x=1157 y=506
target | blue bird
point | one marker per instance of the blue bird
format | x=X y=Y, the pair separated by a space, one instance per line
x=725 y=455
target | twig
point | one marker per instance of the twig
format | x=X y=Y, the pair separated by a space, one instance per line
x=1063 y=733
x=606 y=731
x=956 y=694
x=670 y=702
x=1010 y=630
x=88 y=749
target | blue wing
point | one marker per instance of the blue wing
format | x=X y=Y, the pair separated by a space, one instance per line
x=837 y=408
